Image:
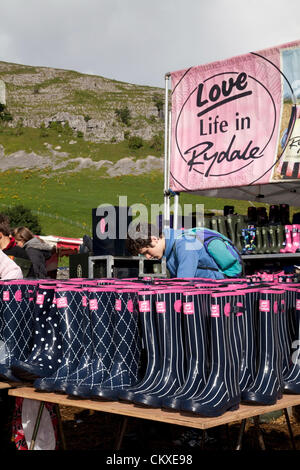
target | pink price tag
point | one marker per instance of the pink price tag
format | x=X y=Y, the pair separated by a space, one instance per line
x=93 y=303
x=118 y=305
x=84 y=301
x=297 y=304
x=40 y=299
x=144 y=306
x=264 y=305
x=62 y=302
x=188 y=308
x=215 y=311
x=6 y=295
x=160 y=307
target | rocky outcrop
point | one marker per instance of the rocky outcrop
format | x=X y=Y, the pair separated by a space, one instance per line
x=59 y=162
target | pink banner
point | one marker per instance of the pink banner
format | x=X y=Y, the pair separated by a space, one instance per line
x=236 y=122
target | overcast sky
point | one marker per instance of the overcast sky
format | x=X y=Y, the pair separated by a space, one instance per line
x=138 y=41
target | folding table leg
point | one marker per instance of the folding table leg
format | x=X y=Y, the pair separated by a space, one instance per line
x=37 y=425
x=121 y=433
x=259 y=433
x=287 y=418
x=241 y=434
x=60 y=427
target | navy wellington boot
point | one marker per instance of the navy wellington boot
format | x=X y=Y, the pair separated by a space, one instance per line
x=125 y=366
x=99 y=348
x=291 y=378
x=45 y=356
x=17 y=321
x=249 y=353
x=147 y=315
x=70 y=311
x=283 y=333
x=172 y=371
x=196 y=330
x=268 y=383
x=222 y=392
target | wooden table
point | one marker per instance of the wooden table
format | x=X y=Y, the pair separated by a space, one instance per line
x=4 y=385
x=173 y=417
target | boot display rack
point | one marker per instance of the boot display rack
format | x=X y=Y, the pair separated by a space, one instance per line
x=194 y=346
x=125 y=266
x=264 y=240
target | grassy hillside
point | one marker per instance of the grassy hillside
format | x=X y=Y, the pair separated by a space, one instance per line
x=63 y=135
x=64 y=203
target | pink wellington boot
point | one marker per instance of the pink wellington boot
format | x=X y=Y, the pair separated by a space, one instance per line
x=296 y=237
x=288 y=248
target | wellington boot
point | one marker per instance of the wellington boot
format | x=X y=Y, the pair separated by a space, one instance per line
x=169 y=327
x=265 y=240
x=222 y=391
x=125 y=364
x=268 y=383
x=214 y=223
x=292 y=377
x=16 y=325
x=196 y=330
x=99 y=348
x=279 y=229
x=69 y=302
x=284 y=214
x=296 y=237
x=222 y=225
x=150 y=339
x=231 y=223
x=259 y=247
x=252 y=215
x=272 y=239
x=207 y=222
x=249 y=356
x=288 y=242
x=274 y=215
x=45 y=357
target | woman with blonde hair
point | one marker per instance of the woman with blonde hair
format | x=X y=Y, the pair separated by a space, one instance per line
x=38 y=251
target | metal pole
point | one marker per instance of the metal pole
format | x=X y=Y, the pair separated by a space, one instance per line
x=175 y=212
x=166 y=215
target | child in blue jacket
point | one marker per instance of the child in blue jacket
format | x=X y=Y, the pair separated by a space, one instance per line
x=186 y=256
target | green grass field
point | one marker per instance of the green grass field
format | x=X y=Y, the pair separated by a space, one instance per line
x=64 y=203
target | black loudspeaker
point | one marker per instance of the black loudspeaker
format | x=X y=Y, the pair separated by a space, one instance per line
x=110 y=226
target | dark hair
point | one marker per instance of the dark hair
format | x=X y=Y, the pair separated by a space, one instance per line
x=23 y=234
x=139 y=237
x=5 y=228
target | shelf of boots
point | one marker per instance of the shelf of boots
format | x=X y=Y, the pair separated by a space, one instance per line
x=272 y=255
x=156 y=414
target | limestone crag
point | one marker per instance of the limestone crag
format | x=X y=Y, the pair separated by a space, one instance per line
x=58 y=162
x=40 y=95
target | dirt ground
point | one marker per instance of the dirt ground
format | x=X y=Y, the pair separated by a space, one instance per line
x=92 y=430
